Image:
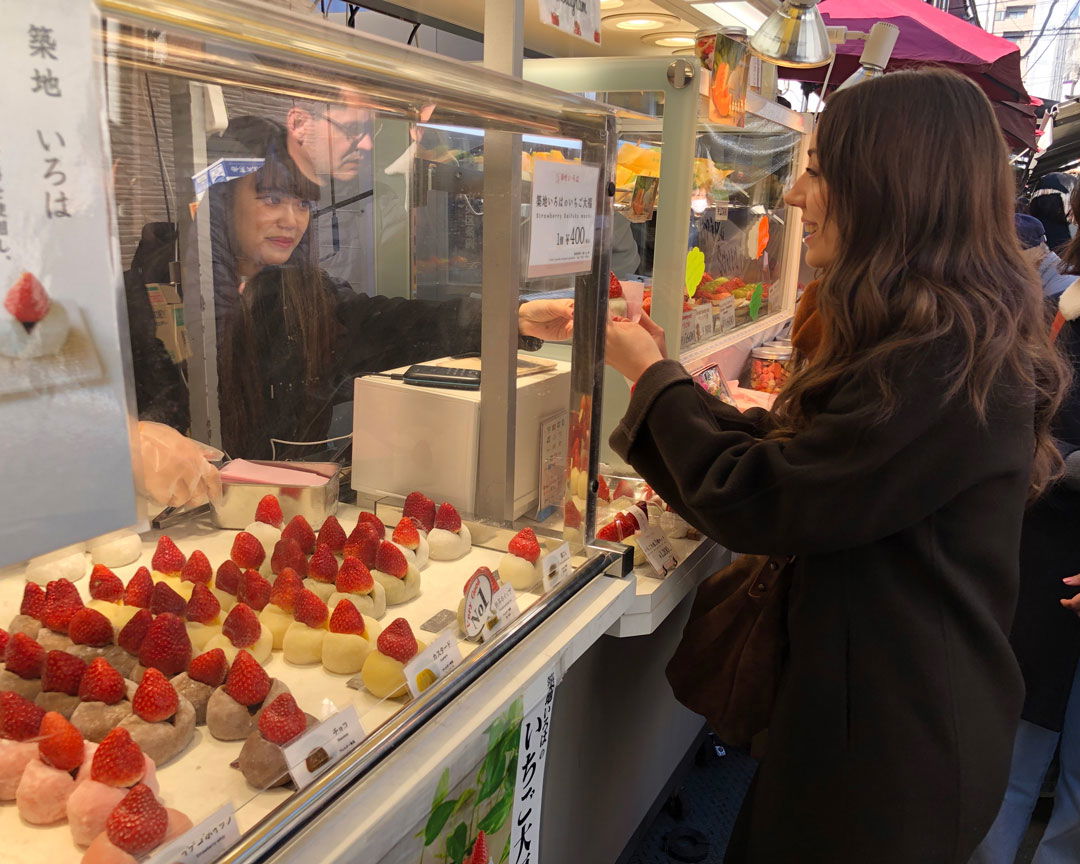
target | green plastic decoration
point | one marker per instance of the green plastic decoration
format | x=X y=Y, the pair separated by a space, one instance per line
x=695 y=269
x=755 y=301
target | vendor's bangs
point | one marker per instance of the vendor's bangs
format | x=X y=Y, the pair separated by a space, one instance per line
x=282 y=177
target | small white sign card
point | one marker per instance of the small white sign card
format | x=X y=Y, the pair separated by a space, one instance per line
x=562 y=217
x=553 y=431
x=654 y=544
x=202 y=843
x=433 y=663
x=555 y=567
x=323 y=745
x=579 y=18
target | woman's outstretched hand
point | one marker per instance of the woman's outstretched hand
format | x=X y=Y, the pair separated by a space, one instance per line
x=631 y=347
x=550 y=320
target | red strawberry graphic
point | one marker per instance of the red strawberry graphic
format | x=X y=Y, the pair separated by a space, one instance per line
x=397 y=641
x=209 y=668
x=139 y=822
x=90 y=627
x=299 y=530
x=105 y=585
x=118 y=761
x=241 y=626
x=447 y=518
x=203 y=607
x=61 y=744
x=63 y=673
x=479 y=854
x=168 y=559
x=26 y=300
x=323 y=566
x=254 y=590
x=20 y=719
x=346 y=619
x=155 y=699
x=247 y=682
x=24 y=657
x=197 y=569
x=102 y=683
x=228 y=576
x=420 y=509
x=139 y=589
x=332 y=534
x=391 y=560
x=166 y=646
x=289 y=553
x=407 y=535
x=577 y=29
x=33 y=601
x=282 y=720
x=596 y=36
x=555 y=19
x=132 y=634
x=310 y=609
x=354 y=577
x=269 y=511
x=247 y=552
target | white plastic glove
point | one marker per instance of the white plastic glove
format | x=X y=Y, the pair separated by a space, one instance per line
x=175 y=470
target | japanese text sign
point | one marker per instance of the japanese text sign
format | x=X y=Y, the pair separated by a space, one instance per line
x=563 y=217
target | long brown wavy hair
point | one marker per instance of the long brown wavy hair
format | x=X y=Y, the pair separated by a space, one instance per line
x=921 y=194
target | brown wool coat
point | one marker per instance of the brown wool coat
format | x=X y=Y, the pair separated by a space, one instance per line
x=893 y=728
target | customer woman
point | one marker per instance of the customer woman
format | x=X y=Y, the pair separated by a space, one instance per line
x=291 y=339
x=895 y=467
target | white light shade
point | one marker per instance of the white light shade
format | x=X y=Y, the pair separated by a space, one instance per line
x=794 y=35
x=610 y=4
x=875 y=56
x=640 y=20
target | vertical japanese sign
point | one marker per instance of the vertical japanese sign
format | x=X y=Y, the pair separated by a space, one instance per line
x=579 y=18
x=529 y=786
x=562 y=217
x=65 y=458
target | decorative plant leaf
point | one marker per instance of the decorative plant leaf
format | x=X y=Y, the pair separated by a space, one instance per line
x=755 y=300
x=443 y=789
x=492 y=772
x=456 y=843
x=437 y=820
x=465 y=798
x=506 y=851
x=516 y=712
x=695 y=269
x=496 y=817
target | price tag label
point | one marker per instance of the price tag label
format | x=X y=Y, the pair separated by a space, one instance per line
x=553 y=432
x=555 y=567
x=703 y=321
x=654 y=544
x=323 y=745
x=433 y=663
x=688 y=332
x=725 y=316
x=202 y=843
x=562 y=217
x=504 y=610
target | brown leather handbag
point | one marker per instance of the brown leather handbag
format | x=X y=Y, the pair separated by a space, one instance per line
x=727 y=666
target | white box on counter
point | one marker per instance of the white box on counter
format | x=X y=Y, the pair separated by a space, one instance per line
x=408 y=438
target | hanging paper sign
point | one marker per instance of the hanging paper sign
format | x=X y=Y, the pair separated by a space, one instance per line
x=530 y=769
x=579 y=18
x=60 y=288
x=562 y=218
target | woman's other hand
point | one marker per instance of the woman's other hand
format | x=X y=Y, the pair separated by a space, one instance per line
x=632 y=348
x=550 y=320
x=1072 y=603
x=175 y=470
x=656 y=331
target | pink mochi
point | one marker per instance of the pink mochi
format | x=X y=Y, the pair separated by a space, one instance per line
x=43 y=793
x=14 y=757
x=103 y=851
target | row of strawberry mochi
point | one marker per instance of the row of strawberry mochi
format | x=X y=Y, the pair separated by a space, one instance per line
x=107 y=793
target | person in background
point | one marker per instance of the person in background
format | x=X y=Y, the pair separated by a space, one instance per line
x=1049 y=204
x=1033 y=242
x=1046 y=634
x=895 y=467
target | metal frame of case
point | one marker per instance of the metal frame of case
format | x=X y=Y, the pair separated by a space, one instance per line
x=397 y=79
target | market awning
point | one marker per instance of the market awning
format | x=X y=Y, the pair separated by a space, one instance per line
x=930 y=35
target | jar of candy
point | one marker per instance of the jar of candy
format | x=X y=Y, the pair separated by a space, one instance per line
x=769 y=367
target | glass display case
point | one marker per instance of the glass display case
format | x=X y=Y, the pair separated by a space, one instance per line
x=709 y=237
x=327 y=238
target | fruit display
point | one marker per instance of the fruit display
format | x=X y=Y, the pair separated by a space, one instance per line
x=226 y=639
x=769 y=367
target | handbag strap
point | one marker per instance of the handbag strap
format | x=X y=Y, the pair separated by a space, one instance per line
x=768 y=575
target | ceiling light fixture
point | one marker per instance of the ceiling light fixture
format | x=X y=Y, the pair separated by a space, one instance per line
x=639 y=21
x=670 y=40
x=794 y=35
x=610 y=4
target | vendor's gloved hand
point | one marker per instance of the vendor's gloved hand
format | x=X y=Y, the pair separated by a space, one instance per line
x=175 y=471
x=550 y=320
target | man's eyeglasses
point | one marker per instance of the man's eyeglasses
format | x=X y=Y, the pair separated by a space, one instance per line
x=356 y=131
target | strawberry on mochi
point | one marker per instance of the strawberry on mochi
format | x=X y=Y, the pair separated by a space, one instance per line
x=399 y=579
x=450 y=538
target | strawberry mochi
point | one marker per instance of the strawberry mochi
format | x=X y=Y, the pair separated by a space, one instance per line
x=520 y=566
x=356 y=584
x=450 y=538
x=399 y=579
x=350 y=639
x=412 y=541
x=383 y=672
